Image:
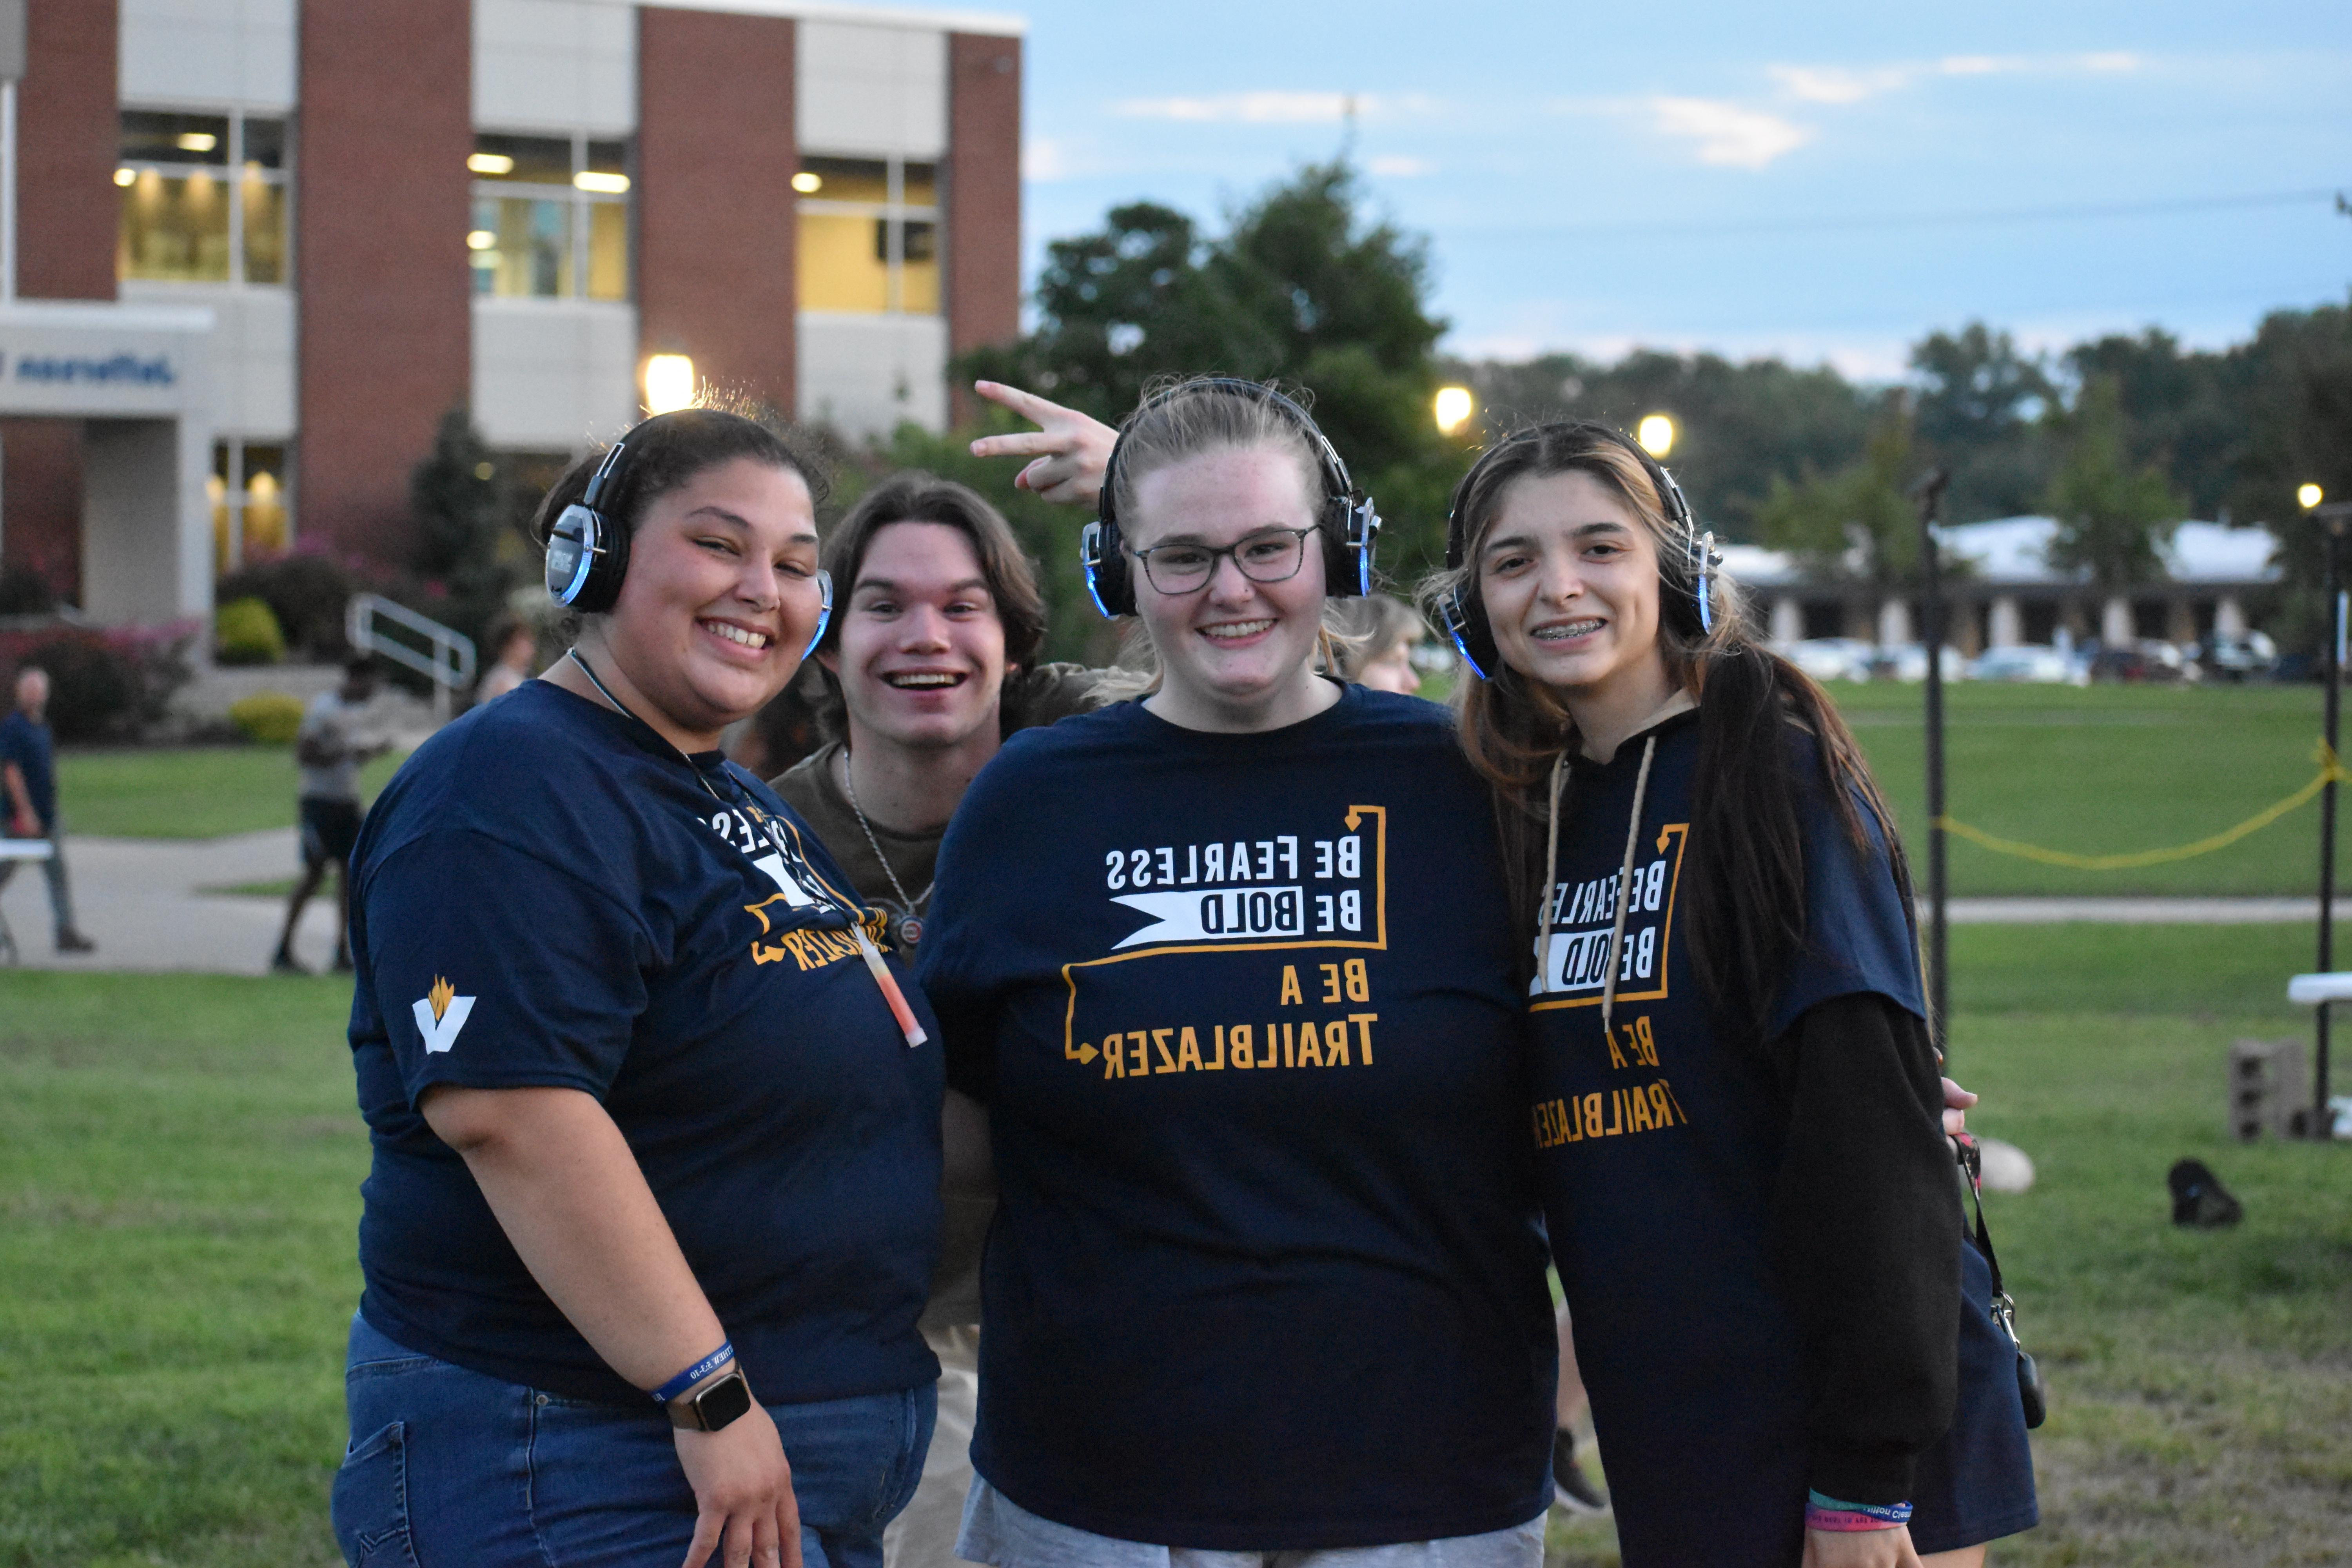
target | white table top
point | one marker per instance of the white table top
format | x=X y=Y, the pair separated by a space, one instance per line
x=2311 y=989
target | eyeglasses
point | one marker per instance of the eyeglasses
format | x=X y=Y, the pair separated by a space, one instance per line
x=1270 y=555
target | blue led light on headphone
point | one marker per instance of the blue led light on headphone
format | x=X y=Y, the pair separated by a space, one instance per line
x=824 y=611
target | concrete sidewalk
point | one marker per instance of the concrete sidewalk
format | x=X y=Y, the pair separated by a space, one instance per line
x=139 y=899
x=2138 y=911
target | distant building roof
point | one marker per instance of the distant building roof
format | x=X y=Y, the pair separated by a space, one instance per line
x=2014 y=552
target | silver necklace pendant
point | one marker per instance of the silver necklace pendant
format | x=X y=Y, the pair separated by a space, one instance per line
x=910 y=930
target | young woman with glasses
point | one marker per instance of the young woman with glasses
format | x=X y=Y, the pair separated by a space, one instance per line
x=1230 y=970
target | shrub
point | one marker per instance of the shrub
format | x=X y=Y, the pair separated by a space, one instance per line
x=25 y=592
x=245 y=631
x=306 y=593
x=267 y=717
x=103 y=685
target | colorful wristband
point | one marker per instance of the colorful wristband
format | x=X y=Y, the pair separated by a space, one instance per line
x=695 y=1373
x=1828 y=1513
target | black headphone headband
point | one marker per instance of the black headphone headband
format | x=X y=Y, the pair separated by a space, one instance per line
x=1349 y=525
x=1462 y=611
x=588 y=550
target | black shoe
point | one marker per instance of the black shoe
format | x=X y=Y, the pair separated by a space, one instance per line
x=2200 y=1199
x=283 y=962
x=1577 y=1493
x=74 y=941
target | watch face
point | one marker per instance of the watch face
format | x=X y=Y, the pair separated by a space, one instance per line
x=723 y=1401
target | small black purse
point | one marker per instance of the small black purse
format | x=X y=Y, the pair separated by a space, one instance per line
x=2004 y=1310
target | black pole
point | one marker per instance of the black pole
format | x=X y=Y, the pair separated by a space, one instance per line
x=1929 y=492
x=2333 y=518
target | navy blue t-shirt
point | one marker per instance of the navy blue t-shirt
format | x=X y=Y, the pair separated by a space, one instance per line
x=548 y=895
x=26 y=744
x=1266 y=1272
x=1658 y=1149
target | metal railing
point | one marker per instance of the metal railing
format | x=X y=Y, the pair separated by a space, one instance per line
x=447 y=658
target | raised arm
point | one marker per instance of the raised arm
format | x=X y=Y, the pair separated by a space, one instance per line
x=1069 y=450
x=570 y=1195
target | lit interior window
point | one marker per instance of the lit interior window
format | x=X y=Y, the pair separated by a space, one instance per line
x=551 y=217
x=869 y=235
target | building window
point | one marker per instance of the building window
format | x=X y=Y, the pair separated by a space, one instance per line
x=869 y=235
x=203 y=197
x=551 y=217
x=248 y=488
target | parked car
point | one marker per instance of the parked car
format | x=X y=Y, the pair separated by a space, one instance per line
x=1908 y=661
x=2252 y=657
x=2149 y=660
x=2031 y=662
x=1830 y=659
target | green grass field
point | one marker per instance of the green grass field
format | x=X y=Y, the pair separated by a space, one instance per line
x=179 y=1166
x=2106 y=770
x=187 y=792
x=2101 y=770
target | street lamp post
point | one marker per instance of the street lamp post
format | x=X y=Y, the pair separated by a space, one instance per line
x=2332 y=517
x=1929 y=493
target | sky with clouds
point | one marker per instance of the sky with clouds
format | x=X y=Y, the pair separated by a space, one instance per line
x=1826 y=180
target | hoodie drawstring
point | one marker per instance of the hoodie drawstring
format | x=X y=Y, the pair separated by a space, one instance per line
x=1624 y=879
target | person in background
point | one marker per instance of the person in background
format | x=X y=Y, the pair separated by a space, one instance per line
x=28 y=773
x=931 y=663
x=329 y=753
x=518 y=650
x=1384 y=632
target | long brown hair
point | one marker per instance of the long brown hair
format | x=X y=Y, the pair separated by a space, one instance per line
x=1744 y=902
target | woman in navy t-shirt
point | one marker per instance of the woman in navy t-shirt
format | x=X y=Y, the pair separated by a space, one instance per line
x=654 y=1200
x=1736 y=1111
x=1231 y=970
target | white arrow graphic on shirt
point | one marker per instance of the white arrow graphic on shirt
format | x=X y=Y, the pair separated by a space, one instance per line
x=1217 y=915
x=795 y=894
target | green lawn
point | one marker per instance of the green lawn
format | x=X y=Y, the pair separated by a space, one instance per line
x=2100 y=770
x=179 y=1164
x=2106 y=770
x=187 y=792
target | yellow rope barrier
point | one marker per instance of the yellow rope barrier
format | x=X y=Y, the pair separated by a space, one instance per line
x=2329 y=769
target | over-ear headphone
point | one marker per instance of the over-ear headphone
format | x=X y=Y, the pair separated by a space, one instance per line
x=588 y=551
x=1689 y=584
x=1347 y=523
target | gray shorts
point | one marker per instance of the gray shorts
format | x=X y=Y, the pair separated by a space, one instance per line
x=998 y=1530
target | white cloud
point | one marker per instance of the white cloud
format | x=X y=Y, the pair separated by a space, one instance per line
x=1839 y=84
x=2117 y=61
x=1397 y=168
x=1728 y=135
x=1277 y=108
x=1043 y=158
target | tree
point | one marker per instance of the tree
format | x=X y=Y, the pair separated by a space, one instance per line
x=2114 y=517
x=463 y=554
x=1740 y=426
x=1857 y=524
x=2298 y=430
x=2183 y=413
x=1978 y=417
x=1302 y=288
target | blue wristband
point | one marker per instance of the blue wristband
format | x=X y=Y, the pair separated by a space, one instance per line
x=694 y=1374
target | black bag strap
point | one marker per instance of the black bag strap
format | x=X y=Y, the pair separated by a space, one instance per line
x=1971 y=1160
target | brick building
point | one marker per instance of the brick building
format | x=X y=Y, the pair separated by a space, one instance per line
x=334 y=220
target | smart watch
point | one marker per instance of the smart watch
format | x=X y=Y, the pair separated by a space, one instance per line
x=713 y=1407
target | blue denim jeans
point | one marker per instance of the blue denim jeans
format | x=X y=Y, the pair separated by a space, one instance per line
x=449 y=1467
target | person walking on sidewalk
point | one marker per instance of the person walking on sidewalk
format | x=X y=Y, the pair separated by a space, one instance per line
x=28 y=789
x=329 y=754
